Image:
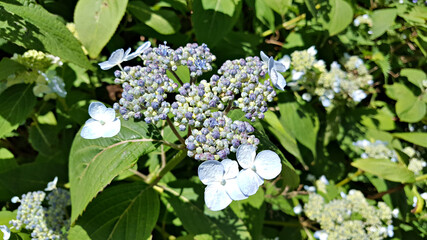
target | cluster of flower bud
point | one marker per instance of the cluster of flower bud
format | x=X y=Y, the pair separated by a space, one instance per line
x=350 y=217
x=37 y=60
x=239 y=83
x=45 y=222
x=218 y=137
x=197 y=58
x=144 y=92
x=194 y=104
x=378 y=149
x=337 y=83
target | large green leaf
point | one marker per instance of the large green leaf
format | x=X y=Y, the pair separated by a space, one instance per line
x=8 y=67
x=213 y=19
x=410 y=109
x=264 y=13
x=418 y=138
x=17 y=103
x=162 y=21
x=415 y=76
x=196 y=218
x=96 y=21
x=125 y=211
x=279 y=6
x=340 y=16
x=382 y=20
x=94 y=163
x=76 y=232
x=32 y=27
x=386 y=169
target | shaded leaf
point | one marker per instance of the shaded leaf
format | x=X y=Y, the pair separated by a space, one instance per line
x=418 y=138
x=382 y=20
x=386 y=169
x=340 y=16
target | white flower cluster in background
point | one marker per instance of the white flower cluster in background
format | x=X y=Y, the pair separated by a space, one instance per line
x=378 y=149
x=363 y=19
x=416 y=162
x=226 y=183
x=350 y=217
x=349 y=83
x=39 y=70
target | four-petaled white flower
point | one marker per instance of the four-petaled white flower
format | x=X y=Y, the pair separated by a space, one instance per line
x=102 y=124
x=265 y=165
x=222 y=187
x=115 y=59
x=274 y=70
x=51 y=185
x=120 y=56
x=138 y=51
x=6 y=232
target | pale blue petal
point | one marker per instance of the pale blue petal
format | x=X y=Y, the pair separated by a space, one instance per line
x=358 y=95
x=117 y=56
x=233 y=189
x=106 y=65
x=51 y=185
x=268 y=164
x=91 y=130
x=286 y=61
x=296 y=75
x=270 y=65
x=264 y=57
x=231 y=168
x=246 y=155
x=279 y=81
x=216 y=197
x=248 y=182
x=110 y=129
x=6 y=232
x=210 y=171
x=138 y=51
x=279 y=66
x=97 y=111
x=109 y=115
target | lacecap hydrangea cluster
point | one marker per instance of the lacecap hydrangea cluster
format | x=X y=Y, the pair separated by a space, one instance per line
x=44 y=214
x=153 y=91
x=350 y=217
x=416 y=162
x=39 y=70
x=335 y=84
x=378 y=149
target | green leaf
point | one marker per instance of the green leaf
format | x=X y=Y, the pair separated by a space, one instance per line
x=94 y=163
x=96 y=22
x=386 y=169
x=213 y=19
x=16 y=180
x=382 y=20
x=183 y=74
x=76 y=232
x=279 y=6
x=163 y=21
x=298 y=119
x=9 y=67
x=264 y=13
x=398 y=91
x=125 y=211
x=410 y=109
x=35 y=28
x=415 y=76
x=17 y=103
x=417 y=138
x=340 y=16
x=197 y=219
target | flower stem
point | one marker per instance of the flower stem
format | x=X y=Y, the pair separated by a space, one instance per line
x=154 y=178
x=168 y=120
x=421 y=178
x=177 y=78
x=349 y=178
x=285 y=25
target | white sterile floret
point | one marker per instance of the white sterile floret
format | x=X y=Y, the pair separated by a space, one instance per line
x=321 y=235
x=115 y=59
x=358 y=95
x=265 y=165
x=220 y=178
x=298 y=209
x=51 y=185
x=274 y=70
x=6 y=232
x=306 y=97
x=15 y=199
x=138 y=51
x=102 y=124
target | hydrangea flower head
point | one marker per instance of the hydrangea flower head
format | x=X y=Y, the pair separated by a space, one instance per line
x=51 y=185
x=256 y=168
x=6 y=232
x=102 y=124
x=115 y=59
x=222 y=187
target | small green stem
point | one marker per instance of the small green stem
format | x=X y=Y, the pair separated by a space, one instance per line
x=285 y=24
x=421 y=178
x=155 y=177
x=177 y=78
x=168 y=120
x=285 y=224
x=349 y=178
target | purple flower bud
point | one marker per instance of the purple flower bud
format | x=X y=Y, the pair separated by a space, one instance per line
x=182 y=127
x=201 y=138
x=189 y=115
x=174 y=105
x=191 y=146
x=235 y=142
x=205 y=131
x=215 y=134
x=155 y=105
